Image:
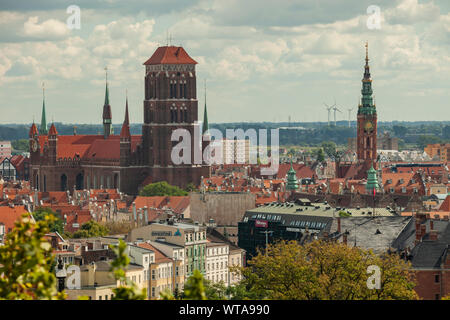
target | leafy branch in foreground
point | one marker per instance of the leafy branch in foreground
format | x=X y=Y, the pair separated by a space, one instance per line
x=127 y=290
x=26 y=262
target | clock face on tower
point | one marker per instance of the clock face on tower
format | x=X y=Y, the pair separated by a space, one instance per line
x=368 y=126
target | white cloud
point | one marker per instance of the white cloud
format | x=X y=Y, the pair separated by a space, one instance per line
x=49 y=29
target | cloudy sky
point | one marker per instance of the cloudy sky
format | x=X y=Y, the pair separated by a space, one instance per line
x=263 y=60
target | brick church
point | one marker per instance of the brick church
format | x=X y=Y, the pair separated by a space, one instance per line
x=366 y=132
x=125 y=161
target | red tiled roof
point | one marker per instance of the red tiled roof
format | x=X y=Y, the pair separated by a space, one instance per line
x=8 y=216
x=445 y=206
x=33 y=130
x=150 y=202
x=89 y=146
x=52 y=131
x=170 y=55
x=178 y=203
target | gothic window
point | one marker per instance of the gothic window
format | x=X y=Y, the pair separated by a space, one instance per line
x=184 y=90
x=175 y=111
x=185 y=115
x=368 y=142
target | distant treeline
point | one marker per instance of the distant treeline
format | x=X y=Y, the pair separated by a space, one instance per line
x=417 y=133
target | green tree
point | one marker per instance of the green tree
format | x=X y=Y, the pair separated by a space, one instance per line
x=26 y=262
x=190 y=187
x=320 y=155
x=91 y=229
x=400 y=131
x=194 y=288
x=325 y=271
x=21 y=145
x=330 y=148
x=56 y=226
x=127 y=290
x=162 y=189
x=424 y=140
x=215 y=290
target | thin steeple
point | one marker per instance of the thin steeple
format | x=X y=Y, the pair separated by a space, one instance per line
x=107 y=123
x=125 y=132
x=43 y=128
x=205 y=116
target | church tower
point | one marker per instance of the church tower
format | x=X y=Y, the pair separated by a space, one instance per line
x=171 y=103
x=366 y=143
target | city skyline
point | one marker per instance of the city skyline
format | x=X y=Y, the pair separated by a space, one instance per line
x=309 y=60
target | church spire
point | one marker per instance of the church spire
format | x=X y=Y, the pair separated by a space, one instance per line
x=43 y=128
x=292 y=182
x=205 y=116
x=367 y=106
x=125 y=132
x=107 y=125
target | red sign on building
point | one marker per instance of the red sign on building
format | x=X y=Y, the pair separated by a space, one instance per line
x=261 y=223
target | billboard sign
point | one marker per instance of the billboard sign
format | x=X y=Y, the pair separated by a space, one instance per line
x=261 y=223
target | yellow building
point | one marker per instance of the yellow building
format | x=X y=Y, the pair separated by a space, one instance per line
x=97 y=281
x=441 y=150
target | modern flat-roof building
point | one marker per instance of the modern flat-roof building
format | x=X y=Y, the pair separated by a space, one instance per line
x=299 y=221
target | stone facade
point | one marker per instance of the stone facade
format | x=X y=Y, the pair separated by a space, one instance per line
x=227 y=209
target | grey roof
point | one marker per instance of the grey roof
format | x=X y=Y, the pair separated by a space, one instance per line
x=318 y=209
x=167 y=243
x=406 y=239
x=377 y=233
x=428 y=254
x=106 y=266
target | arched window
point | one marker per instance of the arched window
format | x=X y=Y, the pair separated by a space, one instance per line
x=79 y=181
x=63 y=182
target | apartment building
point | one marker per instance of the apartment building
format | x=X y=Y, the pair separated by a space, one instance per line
x=163 y=273
x=217 y=262
x=97 y=281
x=192 y=237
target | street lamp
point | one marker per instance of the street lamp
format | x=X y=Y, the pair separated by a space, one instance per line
x=61 y=275
x=267 y=239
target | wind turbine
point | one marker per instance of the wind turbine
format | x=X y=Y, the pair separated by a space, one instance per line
x=335 y=109
x=349 y=110
x=329 y=108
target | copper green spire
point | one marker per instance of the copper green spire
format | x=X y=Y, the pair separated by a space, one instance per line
x=292 y=182
x=372 y=181
x=367 y=105
x=205 y=116
x=43 y=128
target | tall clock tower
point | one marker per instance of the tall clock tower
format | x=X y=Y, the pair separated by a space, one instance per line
x=366 y=143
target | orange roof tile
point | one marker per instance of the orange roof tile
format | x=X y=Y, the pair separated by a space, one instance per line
x=8 y=216
x=170 y=55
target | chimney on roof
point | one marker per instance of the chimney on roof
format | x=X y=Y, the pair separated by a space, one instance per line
x=433 y=235
x=339 y=224
x=344 y=237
